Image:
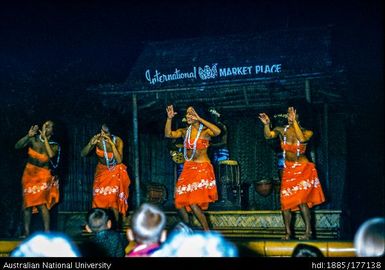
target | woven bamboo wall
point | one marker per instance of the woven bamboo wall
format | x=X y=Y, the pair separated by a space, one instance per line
x=246 y=144
x=76 y=184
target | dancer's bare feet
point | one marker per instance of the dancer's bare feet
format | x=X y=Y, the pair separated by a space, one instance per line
x=306 y=236
x=287 y=236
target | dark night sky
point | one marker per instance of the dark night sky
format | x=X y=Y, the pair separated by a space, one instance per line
x=52 y=51
x=64 y=45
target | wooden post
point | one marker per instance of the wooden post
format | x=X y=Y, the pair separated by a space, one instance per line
x=136 y=149
x=309 y=100
x=307 y=91
x=326 y=144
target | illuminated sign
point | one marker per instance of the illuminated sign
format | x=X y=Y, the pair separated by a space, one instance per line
x=213 y=72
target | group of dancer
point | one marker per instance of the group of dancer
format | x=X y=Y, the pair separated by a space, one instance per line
x=196 y=186
x=40 y=186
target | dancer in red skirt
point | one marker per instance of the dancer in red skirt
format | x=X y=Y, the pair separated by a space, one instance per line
x=196 y=186
x=111 y=184
x=300 y=187
x=40 y=186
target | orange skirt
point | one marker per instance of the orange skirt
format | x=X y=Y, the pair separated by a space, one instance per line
x=196 y=185
x=300 y=184
x=39 y=187
x=110 y=189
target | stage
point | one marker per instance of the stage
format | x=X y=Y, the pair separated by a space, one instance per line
x=239 y=224
x=256 y=233
x=251 y=247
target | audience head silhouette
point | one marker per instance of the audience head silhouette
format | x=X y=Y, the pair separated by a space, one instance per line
x=98 y=220
x=148 y=223
x=206 y=244
x=304 y=250
x=46 y=245
x=369 y=240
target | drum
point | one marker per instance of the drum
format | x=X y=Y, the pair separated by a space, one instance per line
x=220 y=155
x=281 y=161
x=228 y=172
x=156 y=193
x=176 y=153
x=179 y=169
x=177 y=156
x=263 y=187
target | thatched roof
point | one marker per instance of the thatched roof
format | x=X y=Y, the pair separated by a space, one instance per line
x=235 y=72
